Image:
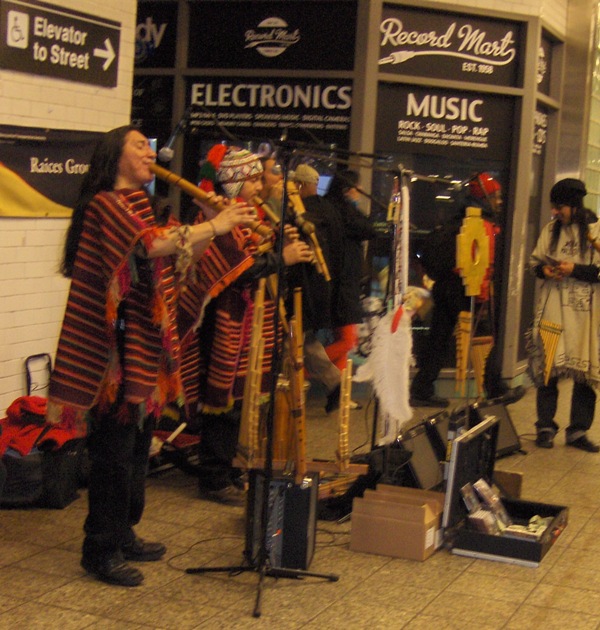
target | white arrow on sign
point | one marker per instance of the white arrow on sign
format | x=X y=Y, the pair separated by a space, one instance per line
x=108 y=53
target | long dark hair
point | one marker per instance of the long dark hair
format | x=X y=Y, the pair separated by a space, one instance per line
x=102 y=174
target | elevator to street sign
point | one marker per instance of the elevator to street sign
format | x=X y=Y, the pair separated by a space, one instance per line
x=43 y=39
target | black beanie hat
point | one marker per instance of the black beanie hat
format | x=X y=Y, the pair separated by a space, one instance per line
x=569 y=192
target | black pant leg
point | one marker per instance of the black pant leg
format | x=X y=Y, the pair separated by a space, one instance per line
x=583 y=407
x=218 y=446
x=546 y=402
x=448 y=302
x=116 y=488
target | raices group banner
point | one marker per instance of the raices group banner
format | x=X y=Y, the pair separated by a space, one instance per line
x=41 y=170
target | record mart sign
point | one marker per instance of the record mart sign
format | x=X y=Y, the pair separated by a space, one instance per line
x=43 y=39
x=440 y=45
x=451 y=123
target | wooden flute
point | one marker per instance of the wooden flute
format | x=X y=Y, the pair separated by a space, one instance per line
x=197 y=193
x=306 y=227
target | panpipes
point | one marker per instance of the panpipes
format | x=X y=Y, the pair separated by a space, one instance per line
x=463 y=342
x=289 y=422
x=550 y=334
x=289 y=431
x=249 y=435
x=343 y=451
x=297 y=390
x=480 y=351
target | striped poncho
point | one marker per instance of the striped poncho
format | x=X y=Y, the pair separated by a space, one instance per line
x=112 y=287
x=215 y=360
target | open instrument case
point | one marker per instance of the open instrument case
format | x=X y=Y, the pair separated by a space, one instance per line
x=472 y=458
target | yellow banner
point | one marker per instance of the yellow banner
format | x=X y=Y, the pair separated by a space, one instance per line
x=19 y=199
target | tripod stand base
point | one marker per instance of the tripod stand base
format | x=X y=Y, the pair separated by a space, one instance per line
x=296 y=574
x=265 y=570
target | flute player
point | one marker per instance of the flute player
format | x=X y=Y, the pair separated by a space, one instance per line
x=215 y=383
x=117 y=362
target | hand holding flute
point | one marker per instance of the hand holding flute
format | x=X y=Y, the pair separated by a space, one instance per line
x=303 y=226
x=208 y=201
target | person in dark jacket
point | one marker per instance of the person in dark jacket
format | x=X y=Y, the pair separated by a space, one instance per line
x=439 y=260
x=346 y=285
x=316 y=290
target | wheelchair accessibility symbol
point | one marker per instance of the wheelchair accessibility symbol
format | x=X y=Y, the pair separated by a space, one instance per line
x=17 y=29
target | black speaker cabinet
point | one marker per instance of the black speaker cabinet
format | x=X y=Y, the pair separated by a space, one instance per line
x=508 y=439
x=424 y=463
x=437 y=430
x=292 y=522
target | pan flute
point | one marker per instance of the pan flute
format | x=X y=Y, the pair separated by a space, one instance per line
x=550 y=334
x=249 y=435
x=480 y=350
x=463 y=341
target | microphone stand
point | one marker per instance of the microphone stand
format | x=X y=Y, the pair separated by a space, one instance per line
x=263 y=566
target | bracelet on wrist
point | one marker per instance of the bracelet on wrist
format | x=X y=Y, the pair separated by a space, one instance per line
x=214 y=230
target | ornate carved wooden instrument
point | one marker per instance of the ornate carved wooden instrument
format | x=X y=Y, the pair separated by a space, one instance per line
x=298 y=405
x=249 y=438
x=343 y=452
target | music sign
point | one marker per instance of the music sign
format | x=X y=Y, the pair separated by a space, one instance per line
x=455 y=124
x=42 y=39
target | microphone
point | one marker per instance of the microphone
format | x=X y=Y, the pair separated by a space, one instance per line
x=166 y=153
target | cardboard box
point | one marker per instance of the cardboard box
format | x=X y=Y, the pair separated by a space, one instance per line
x=402 y=491
x=397 y=522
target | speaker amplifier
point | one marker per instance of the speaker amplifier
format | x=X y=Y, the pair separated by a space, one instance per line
x=292 y=521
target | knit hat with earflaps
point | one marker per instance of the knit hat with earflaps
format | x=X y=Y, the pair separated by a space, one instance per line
x=230 y=167
x=236 y=167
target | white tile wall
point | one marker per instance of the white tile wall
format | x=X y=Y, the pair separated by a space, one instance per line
x=32 y=293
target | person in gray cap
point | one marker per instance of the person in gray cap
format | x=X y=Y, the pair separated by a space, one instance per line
x=316 y=291
x=564 y=340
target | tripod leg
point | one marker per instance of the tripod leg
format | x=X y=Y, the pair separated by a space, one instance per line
x=257 y=604
x=233 y=570
x=299 y=574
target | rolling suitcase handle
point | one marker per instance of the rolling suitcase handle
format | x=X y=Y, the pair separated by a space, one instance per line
x=30 y=370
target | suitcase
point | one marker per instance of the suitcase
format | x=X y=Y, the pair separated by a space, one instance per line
x=44 y=477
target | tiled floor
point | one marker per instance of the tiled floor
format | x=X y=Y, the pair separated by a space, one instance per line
x=43 y=586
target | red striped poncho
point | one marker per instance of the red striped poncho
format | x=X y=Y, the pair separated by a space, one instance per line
x=215 y=361
x=107 y=275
